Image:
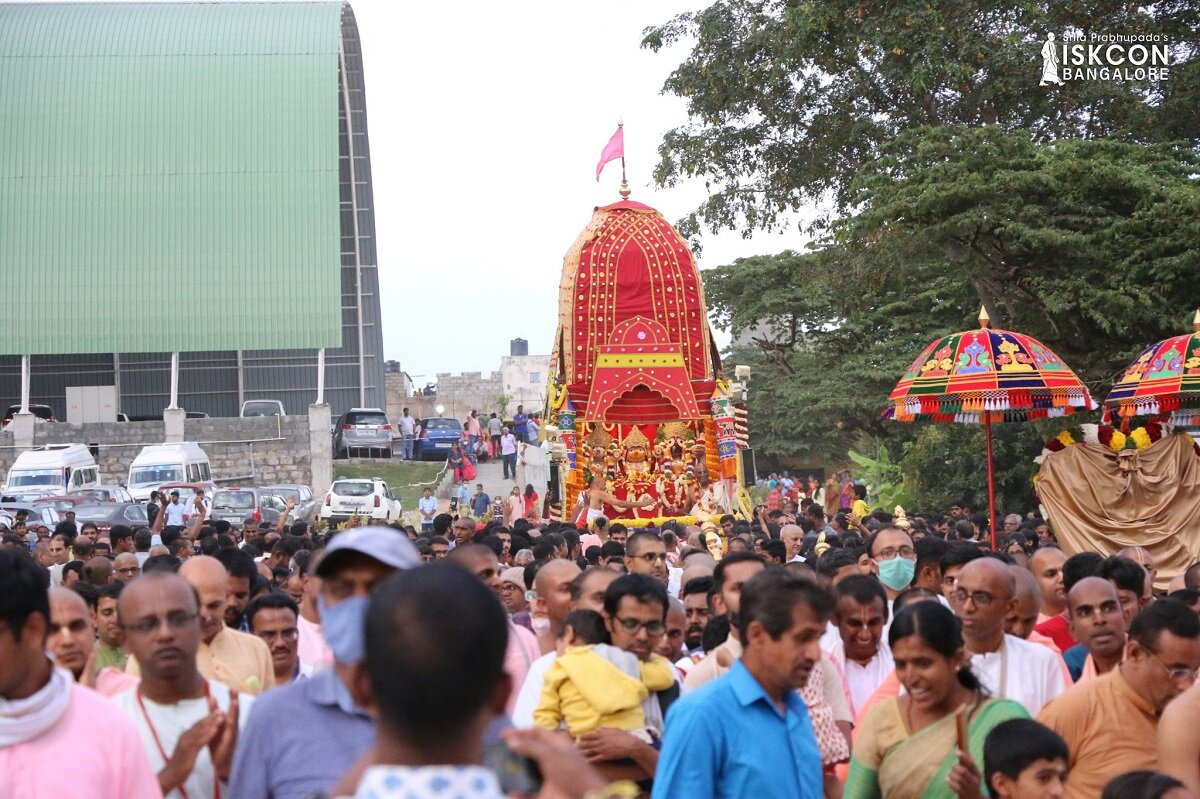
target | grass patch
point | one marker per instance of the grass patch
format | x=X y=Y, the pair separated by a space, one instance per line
x=397 y=475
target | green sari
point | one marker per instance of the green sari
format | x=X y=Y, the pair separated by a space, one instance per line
x=889 y=762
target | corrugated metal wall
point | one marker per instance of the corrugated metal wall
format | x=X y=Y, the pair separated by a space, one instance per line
x=209 y=380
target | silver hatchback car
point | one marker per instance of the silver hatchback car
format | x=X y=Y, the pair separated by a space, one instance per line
x=362 y=432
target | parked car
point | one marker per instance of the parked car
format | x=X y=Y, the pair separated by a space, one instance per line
x=362 y=432
x=104 y=516
x=306 y=503
x=30 y=494
x=262 y=408
x=38 y=514
x=365 y=497
x=107 y=493
x=235 y=504
x=437 y=435
x=43 y=413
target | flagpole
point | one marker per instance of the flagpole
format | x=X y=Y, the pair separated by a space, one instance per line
x=624 y=190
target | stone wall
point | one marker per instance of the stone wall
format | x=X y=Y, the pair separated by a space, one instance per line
x=256 y=451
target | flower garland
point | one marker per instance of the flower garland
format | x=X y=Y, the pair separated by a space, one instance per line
x=1110 y=437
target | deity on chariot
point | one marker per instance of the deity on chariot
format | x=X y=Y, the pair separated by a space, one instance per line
x=644 y=424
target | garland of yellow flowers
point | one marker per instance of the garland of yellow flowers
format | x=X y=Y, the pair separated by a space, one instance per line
x=1110 y=437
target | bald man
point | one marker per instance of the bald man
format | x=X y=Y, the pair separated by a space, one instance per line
x=792 y=536
x=1097 y=623
x=98 y=571
x=189 y=724
x=554 y=585
x=522 y=650
x=1008 y=666
x=1047 y=566
x=72 y=637
x=239 y=660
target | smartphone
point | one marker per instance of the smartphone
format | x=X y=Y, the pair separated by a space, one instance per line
x=516 y=773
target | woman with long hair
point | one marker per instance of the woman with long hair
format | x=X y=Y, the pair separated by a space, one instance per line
x=531 y=504
x=926 y=743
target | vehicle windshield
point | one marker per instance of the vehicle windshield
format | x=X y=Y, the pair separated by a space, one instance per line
x=286 y=493
x=346 y=488
x=149 y=475
x=238 y=500
x=441 y=424
x=260 y=409
x=36 y=477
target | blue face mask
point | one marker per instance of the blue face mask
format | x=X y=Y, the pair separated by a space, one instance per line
x=897 y=573
x=343 y=626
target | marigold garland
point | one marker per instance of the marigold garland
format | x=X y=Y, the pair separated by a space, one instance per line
x=1110 y=437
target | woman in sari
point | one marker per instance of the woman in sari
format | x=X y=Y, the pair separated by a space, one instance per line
x=455 y=461
x=908 y=747
x=531 y=504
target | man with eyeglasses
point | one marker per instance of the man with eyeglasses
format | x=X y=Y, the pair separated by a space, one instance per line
x=894 y=561
x=635 y=611
x=1111 y=723
x=126 y=567
x=646 y=554
x=273 y=618
x=44 y=715
x=1009 y=667
x=275 y=757
x=188 y=724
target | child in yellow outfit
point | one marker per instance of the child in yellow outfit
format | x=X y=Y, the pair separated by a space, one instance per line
x=593 y=684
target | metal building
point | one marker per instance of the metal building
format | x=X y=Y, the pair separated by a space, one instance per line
x=188 y=177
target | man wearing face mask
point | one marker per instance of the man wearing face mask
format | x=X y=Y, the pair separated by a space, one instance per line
x=894 y=560
x=275 y=757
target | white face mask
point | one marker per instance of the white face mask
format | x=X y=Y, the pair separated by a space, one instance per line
x=540 y=624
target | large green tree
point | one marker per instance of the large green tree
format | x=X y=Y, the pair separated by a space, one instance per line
x=1093 y=246
x=788 y=101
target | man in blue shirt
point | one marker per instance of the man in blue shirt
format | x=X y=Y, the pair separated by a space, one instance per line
x=520 y=424
x=481 y=502
x=748 y=733
x=300 y=739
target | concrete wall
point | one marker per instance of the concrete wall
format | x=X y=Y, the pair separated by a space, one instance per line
x=521 y=377
x=257 y=451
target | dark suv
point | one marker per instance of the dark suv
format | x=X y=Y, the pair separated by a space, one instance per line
x=362 y=432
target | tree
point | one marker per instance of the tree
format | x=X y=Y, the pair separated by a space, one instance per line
x=1091 y=246
x=789 y=100
x=502 y=403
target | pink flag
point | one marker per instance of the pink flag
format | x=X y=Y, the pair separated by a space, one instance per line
x=612 y=151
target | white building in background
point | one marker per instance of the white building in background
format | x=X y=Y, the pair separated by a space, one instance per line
x=521 y=380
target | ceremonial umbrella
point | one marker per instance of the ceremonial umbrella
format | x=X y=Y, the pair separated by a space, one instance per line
x=985 y=377
x=1164 y=380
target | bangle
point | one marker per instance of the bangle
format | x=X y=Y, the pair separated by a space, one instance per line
x=622 y=789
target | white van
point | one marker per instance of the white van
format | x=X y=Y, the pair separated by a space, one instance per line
x=167 y=463
x=55 y=469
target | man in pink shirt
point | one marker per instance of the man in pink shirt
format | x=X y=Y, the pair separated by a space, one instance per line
x=43 y=713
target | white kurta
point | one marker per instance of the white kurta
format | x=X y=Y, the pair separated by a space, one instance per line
x=1029 y=674
x=172 y=721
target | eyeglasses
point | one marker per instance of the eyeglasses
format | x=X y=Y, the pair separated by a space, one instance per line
x=652 y=557
x=651 y=627
x=506 y=587
x=980 y=598
x=1179 y=674
x=290 y=634
x=908 y=553
x=176 y=621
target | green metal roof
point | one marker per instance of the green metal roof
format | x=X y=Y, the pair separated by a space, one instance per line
x=169 y=177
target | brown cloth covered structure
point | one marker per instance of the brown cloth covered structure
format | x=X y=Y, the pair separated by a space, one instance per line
x=1100 y=500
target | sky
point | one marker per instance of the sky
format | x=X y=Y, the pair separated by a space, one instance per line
x=486 y=121
x=485 y=129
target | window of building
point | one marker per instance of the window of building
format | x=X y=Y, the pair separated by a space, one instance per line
x=535 y=377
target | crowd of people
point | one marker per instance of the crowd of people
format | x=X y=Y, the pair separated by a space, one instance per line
x=801 y=653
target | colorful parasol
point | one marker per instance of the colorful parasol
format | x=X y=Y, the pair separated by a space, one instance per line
x=1163 y=381
x=986 y=377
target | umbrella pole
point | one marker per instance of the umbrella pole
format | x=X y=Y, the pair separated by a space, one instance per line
x=987 y=426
